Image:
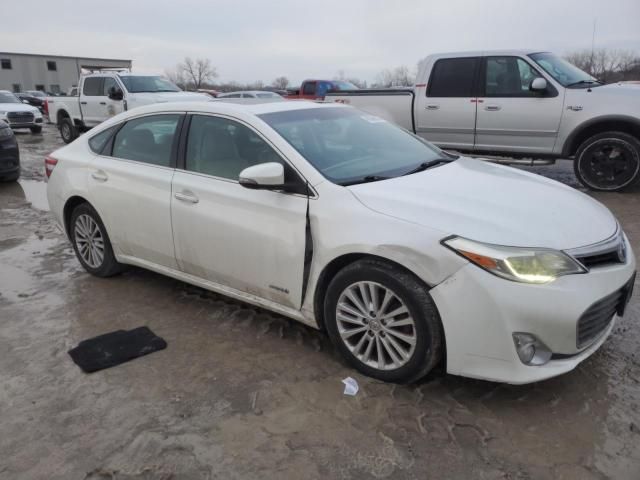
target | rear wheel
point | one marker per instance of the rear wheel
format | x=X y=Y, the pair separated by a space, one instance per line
x=36 y=129
x=91 y=242
x=68 y=131
x=382 y=319
x=608 y=161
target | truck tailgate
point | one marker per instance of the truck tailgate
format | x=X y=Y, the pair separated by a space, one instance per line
x=394 y=105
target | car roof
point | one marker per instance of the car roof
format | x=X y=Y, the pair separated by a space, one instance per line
x=230 y=108
x=247 y=91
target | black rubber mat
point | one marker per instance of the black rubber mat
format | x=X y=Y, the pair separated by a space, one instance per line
x=114 y=348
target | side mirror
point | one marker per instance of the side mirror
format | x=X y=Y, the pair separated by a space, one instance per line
x=264 y=176
x=538 y=84
x=115 y=94
x=25 y=101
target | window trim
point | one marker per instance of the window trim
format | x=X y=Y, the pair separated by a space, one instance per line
x=551 y=92
x=182 y=152
x=107 y=150
x=475 y=84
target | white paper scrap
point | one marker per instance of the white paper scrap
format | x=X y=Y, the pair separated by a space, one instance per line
x=350 y=386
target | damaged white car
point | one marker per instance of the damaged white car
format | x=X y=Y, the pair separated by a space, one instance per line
x=406 y=255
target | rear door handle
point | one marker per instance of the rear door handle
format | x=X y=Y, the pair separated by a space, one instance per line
x=100 y=176
x=103 y=103
x=492 y=108
x=186 y=197
x=433 y=107
x=83 y=103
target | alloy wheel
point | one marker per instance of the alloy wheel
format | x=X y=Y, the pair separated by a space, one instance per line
x=89 y=241
x=375 y=325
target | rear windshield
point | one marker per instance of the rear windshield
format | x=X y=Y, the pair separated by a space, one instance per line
x=139 y=84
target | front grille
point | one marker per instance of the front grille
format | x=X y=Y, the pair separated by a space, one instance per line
x=20 y=117
x=598 y=316
x=600 y=259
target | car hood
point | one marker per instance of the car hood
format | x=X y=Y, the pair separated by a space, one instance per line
x=614 y=94
x=146 y=98
x=492 y=203
x=17 y=107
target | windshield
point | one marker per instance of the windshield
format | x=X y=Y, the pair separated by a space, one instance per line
x=6 y=97
x=349 y=146
x=562 y=71
x=340 y=85
x=267 y=95
x=138 y=84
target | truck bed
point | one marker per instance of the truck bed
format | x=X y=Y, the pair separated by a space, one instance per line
x=392 y=104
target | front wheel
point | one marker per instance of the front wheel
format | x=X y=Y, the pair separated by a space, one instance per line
x=91 y=242
x=68 y=131
x=608 y=161
x=383 y=321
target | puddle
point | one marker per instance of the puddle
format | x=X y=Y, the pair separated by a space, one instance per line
x=36 y=193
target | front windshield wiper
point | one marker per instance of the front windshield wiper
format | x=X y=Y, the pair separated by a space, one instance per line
x=585 y=82
x=425 y=165
x=367 y=179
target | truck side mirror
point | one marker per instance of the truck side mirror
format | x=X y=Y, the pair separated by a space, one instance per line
x=115 y=94
x=538 y=84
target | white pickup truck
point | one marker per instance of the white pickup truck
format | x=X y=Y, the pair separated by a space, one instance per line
x=518 y=104
x=103 y=95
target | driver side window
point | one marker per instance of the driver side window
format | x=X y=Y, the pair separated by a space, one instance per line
x=223 y=148
x=508 y=77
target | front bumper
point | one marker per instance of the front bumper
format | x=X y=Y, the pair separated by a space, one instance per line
x=480 y=312
x=9 y=156
x=37 y=122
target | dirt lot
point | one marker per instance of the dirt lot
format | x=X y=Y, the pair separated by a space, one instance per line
x=241 y=394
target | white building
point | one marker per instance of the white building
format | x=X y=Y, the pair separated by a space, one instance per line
x=50 y=73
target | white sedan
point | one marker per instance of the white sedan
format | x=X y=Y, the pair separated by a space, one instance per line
x=406 y=255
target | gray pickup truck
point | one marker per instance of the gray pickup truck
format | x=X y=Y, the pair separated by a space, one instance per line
x=517 y=105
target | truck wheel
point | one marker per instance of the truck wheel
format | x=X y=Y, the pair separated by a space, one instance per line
x=608 y=161
x=68 y=131
x=10 y=178
x=36 y=129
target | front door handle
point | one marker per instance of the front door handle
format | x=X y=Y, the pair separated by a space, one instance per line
x=103 y=103
x=492 y=108
x=100 y=176
x=186 y=197
x=433 y=107
x=83 y=103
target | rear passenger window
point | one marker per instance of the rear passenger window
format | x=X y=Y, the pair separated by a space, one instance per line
x=309 y=88
x=452 y=77
x=223 y=148
x=92 y=86
x=147 y=139
x=99 y=141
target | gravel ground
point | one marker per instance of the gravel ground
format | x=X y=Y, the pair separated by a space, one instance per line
x=241 y=393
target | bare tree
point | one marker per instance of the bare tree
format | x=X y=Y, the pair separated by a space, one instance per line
x=340 y=75
x=398 y=77
x=177 y=77
x=605 y=64
x=197 y=72
x=280 y=83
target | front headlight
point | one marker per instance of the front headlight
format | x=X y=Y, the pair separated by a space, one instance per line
x=528 y=265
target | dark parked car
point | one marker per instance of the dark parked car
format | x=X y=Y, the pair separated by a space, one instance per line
x=32 y=100
x=9 y=154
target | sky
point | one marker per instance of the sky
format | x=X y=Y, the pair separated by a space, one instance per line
x=261 y=40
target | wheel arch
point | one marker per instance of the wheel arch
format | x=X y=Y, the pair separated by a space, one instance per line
x=332 y=268
x=60 y=115
x=71 y=203
x=618 y=123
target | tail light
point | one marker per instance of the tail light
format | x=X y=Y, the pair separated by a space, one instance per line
x=45 y=107
x=49 y=165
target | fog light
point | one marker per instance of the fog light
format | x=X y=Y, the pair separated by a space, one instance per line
x=531 y=350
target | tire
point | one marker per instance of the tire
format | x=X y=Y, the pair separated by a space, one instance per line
x=420 y=324
x=608 y=161
x=11 y=178
x=68 y=131
x=82 y=232
x=36 y=129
